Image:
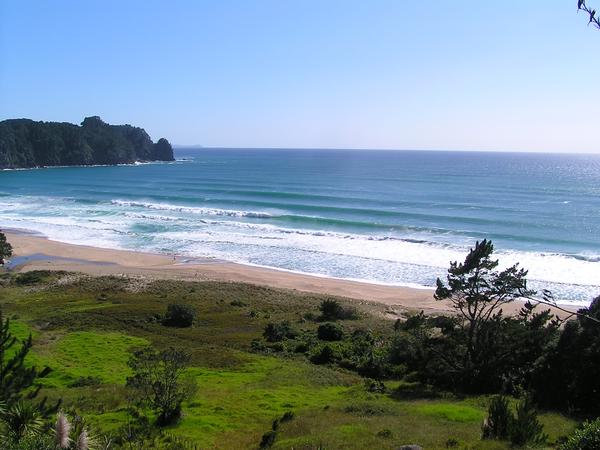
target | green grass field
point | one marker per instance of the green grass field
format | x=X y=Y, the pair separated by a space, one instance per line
x=85 y=330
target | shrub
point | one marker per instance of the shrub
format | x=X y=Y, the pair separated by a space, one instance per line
x=330 y=332
x=268 y=439
x=179 y=315
x=385 y=433
x=496 y=425
x=332 y=310
x=375 y=386
x=277 y=332
x=28 y=278
x=6 y=249
x=521 y=429
x=301 y=347
x=277 y=347
x=86 y=381
x=525 y=427
x=575 y=357
x=323 y=355
x=452 y=443
x=258 y=345
x=275 y=425
x=366 y=409
x=412 y=322
x=159 y=381
x=587 y=437
x=287 y=416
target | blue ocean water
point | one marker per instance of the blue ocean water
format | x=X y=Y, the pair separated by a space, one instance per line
x=395 y=217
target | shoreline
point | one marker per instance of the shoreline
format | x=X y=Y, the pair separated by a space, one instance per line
x=34 y=251
x=129 y=164
x=95 y=261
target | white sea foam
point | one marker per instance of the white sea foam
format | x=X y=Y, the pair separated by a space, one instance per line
x=192 y=209
x=542 y=267
x=399 y=259
x=79 y=166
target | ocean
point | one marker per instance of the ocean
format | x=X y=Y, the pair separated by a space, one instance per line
x=389 y=217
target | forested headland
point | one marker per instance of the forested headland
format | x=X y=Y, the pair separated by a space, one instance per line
x=25 y=143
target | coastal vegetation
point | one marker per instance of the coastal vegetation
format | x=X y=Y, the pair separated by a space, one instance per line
x=267 y=368
x=25 y=143
x=6 y=249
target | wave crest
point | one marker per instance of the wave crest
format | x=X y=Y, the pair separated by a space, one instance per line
x=192 y=209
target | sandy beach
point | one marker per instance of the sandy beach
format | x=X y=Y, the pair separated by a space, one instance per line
x=34 y=252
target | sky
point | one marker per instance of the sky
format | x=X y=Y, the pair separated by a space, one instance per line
x=512 y=75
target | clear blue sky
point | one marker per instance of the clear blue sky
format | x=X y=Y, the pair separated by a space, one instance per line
x=446 y=74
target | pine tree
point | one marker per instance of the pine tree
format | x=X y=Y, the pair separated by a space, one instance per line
x=17 y=380
x=478 y=291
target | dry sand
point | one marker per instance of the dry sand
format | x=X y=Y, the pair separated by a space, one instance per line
x=45 y=254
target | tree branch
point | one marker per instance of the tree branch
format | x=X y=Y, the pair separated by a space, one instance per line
x=594 y=19
x=571 y=313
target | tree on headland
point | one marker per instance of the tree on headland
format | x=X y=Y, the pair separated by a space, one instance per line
x=594 y=19
x=6 y=249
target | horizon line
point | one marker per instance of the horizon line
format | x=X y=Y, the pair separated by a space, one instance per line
x=539 y=152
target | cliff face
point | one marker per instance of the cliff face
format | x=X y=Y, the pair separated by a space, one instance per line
x=25 y=143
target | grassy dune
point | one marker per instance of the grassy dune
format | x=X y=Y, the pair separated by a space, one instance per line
x=85 y=329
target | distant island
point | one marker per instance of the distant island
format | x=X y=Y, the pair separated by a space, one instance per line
x=25 y=143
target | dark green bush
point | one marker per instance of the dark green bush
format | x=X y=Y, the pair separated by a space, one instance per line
x=522 y=428
x=330 y=332
x=287 y=416
x=323 y=355
x=386 y=433
x=525 y=427
x=332 y=310
x=258 y=345
x=28 y=278
x=268 y=439
x=375 y=386
x=452 y=443
x=496 y=425
x=86 y=381
x=587 y=437
x=510 y=348
x=277 y=346
x=576 y=358
x=277 y=332
x=6 y=250
x=275 y=425
x=412 y=322
x=366 y=409
x=179 y=315
x=301 y=347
